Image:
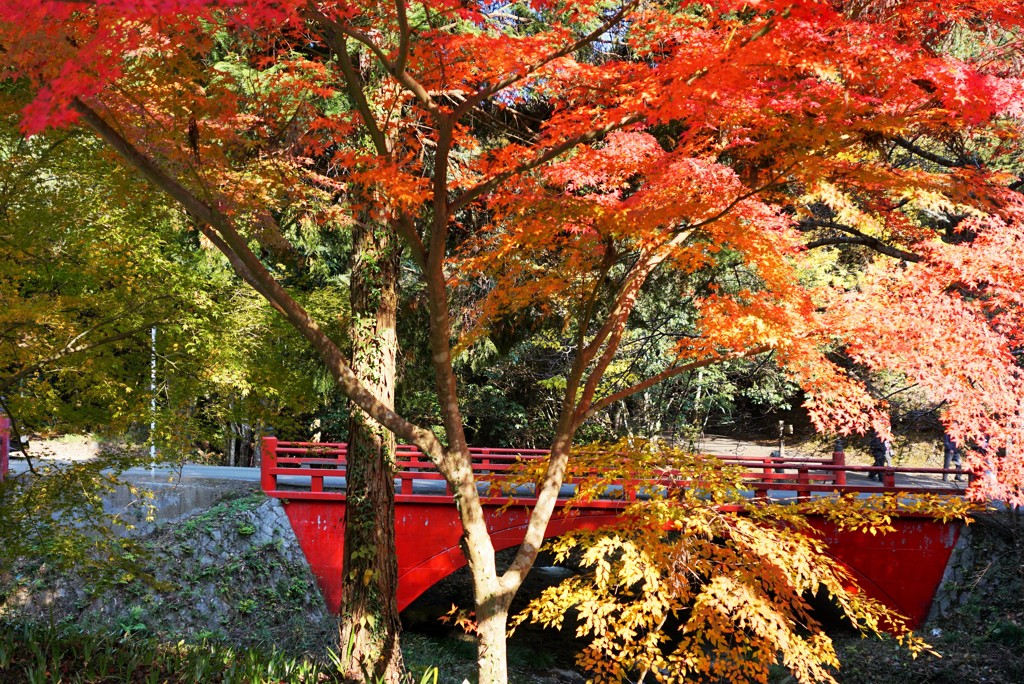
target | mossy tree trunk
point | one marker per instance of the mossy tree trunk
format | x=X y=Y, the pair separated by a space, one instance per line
x=370 y=623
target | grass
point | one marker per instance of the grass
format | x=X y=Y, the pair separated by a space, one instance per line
x=454 y=657
x=40 y=653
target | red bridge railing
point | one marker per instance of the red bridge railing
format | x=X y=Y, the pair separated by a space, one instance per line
x=304 y=470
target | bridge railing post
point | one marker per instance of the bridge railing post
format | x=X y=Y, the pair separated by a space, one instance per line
x=803 y=477
x=268 y=480
x=889 y=478
x=408 y=465
x=5 y=444
x=839 y=459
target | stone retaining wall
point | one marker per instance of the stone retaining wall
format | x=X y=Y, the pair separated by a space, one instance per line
x=961 y=563
x=234 y=572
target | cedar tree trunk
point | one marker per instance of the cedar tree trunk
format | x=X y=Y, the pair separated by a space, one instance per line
x=370 y=624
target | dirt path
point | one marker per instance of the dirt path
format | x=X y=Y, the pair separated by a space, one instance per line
x=70 y=448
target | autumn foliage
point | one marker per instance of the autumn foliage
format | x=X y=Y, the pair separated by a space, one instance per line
x=702 y=583
x=686 y=133
x=548 y=159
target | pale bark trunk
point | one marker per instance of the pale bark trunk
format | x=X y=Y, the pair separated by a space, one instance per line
x=492 y=607
x=370 y=621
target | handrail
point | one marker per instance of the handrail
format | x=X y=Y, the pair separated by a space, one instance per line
x=324 y=464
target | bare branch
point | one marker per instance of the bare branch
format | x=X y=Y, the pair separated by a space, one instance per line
x=866 y=241
x=407 y=229
x=739 y=198
x=401 y=76
x=16 y=435
x=403 y=37
x=354 y=85
x=925 y=154
x=352 y=33
x=670 y=373
x=857 y=238
x=611 y=332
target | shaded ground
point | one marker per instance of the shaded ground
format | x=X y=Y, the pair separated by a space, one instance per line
x=69 y=448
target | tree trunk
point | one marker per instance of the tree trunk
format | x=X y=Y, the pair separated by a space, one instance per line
x=231 y=444
x=370 y=624
x=492 y=606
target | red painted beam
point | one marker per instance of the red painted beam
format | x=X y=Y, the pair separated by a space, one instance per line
x=427 y=534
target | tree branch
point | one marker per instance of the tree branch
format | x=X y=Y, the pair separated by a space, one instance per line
x=670 y=373
x=525 y=71
x=407 y=229
x=476 y=191
x=867 y=241
x=611 y=332
x=219 y=229
x=403 y=37
x=739 y=198
x=16 y=436
x=402 y=77
x=925 y=154
x=354 y=85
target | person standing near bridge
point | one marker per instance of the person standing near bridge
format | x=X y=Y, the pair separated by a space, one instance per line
x=881 y=451
x=950 y=456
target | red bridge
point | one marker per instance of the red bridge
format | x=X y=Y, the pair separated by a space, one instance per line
x=903 y=569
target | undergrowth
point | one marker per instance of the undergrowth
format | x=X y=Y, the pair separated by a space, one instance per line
x=40 y=653
x=34 y=653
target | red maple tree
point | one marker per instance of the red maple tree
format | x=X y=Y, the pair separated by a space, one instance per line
x=565 y=152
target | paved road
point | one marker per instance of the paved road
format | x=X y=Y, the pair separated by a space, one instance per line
x=163 y=473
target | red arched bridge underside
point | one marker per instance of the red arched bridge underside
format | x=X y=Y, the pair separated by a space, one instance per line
x=903 y=569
